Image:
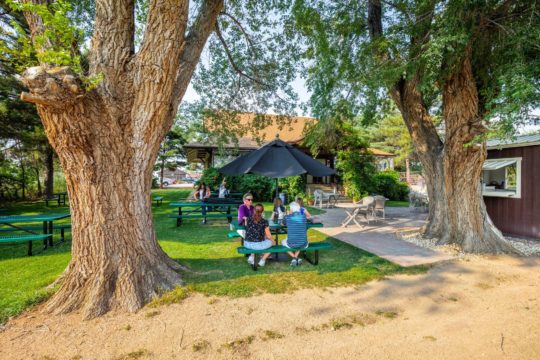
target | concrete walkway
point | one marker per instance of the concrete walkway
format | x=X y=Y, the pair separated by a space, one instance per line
x=379 y=237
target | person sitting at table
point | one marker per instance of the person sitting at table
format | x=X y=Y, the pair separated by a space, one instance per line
x=296 y=233
x=258 y=236
x=200 y=193
x=223 y=191
x=245 y=211
x=279 y=210
x=303 y=210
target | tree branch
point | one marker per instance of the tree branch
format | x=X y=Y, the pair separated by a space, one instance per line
x=232 y=62
x=193 y=46
x=250 y=44
x=113 y=38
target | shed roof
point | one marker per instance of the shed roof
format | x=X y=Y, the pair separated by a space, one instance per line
x=519 y=141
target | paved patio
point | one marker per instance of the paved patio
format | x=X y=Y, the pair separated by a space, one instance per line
x=380 y=238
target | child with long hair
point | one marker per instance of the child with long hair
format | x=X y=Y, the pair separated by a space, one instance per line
x=258 y=236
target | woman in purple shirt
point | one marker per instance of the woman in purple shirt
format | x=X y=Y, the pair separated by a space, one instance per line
x=245 y=211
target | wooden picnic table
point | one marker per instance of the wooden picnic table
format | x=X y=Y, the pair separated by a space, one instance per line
x=46 y=219
x=203 y=210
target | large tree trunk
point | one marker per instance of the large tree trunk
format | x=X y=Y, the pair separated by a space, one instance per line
x=49 y=170
x=457 y=213
x=452 y=169
x=107 y=140
x=469 y=223
x=116 y=260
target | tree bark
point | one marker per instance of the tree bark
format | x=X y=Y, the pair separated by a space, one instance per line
x=49 y=171
x=107 y=140
x=470 y=225
x=452 y=169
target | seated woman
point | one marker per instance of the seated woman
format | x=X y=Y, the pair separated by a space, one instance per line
x=245 y=211
x=258 y=236
x=297 y=233
x=279 y=210
x=303 y=210
x=202 y=192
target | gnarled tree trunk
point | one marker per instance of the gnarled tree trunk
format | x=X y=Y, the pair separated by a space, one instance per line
x=107 y=140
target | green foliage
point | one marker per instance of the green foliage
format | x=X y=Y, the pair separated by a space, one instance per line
x=54 y=44
x=356 y=169
x=170 y=151
x=293 y=186
x=262 y=187
x=211 y=177
x=387 y=184
x=391 y=135
x=350 y=72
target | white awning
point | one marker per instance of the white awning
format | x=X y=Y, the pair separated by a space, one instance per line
x=495 y=164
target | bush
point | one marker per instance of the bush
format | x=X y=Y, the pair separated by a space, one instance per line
x=211 y=177
x=260 y=186
x=387 y=184
x=293 y=186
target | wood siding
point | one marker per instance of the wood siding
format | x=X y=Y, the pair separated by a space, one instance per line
x=519 y=216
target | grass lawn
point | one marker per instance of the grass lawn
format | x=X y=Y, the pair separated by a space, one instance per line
x=397 y=203
x=215 y=267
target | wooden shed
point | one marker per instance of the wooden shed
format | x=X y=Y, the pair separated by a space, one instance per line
x=511 y=185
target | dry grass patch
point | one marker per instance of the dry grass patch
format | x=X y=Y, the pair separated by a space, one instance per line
x=201 y=345
x=389 y=314
x=139 y=354
x=176 y=296
x=271 y=335
x=430 y=338
x=152 y=313
x=484 y=286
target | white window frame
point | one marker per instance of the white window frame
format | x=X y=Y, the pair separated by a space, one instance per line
x=508 y=193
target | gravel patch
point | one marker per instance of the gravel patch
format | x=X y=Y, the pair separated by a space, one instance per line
x=526 y=246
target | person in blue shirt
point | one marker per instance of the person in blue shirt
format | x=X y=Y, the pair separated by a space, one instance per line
x=296 y=233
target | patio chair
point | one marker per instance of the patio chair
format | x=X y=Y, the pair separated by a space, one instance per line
x=365 y=207
x=321 y=196
x=378 y=207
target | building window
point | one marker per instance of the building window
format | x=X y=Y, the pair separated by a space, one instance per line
x=502 y=177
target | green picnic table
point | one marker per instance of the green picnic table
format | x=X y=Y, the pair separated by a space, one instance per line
x=203 y=210
x=46 y=219
x=279 y=228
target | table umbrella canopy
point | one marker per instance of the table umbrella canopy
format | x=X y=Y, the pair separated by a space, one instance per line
x=277 y=159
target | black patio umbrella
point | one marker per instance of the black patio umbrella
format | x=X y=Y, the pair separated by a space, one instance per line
x=277 y=159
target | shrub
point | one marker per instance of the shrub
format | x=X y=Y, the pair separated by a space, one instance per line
x=211 y=177
x=387 y=184
x=293 y=186
x=260 y=186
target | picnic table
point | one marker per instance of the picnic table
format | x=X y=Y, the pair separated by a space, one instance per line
x=203 y=210
x=279 y=228
x=59 y=197
x=48 y=227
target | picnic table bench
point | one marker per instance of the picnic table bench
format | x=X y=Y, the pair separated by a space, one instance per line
x=59 y=197
x=62 y=228
x=23 y=238
x=158 y=200
x=203 y=210
x=316 y=247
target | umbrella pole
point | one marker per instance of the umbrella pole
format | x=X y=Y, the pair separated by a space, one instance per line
x=277 y=191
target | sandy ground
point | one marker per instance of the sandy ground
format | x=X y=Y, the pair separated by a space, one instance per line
x=472 y=308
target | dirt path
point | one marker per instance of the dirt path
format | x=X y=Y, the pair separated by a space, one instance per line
x=471 y=308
